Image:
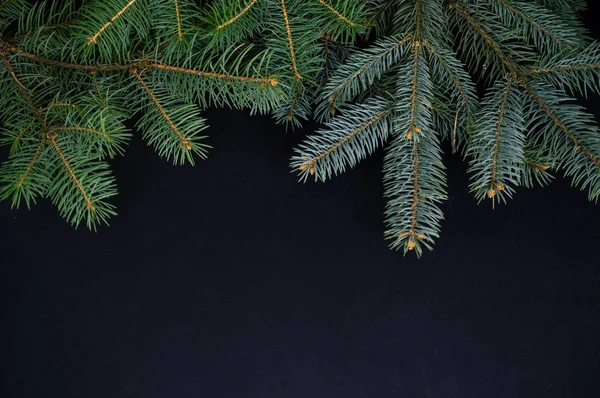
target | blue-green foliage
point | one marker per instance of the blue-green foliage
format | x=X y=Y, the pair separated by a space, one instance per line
x=401 y=74
x=527 y=54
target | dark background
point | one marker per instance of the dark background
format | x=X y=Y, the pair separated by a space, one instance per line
x=231 y=279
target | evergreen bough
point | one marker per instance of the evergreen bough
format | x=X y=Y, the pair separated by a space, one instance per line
x=494 y=78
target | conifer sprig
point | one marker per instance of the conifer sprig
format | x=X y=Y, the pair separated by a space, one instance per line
x=527 y=54
x=378 y=73
x=71 y=76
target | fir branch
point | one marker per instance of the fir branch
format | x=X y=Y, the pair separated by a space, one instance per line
x=487 y=38
x=337 y=13
x=561 y=125
x=138 y=64
x=22 y=134
x=536 y=25
x=33 y=160
x=565 y=138
x=88 y=200
x=97 y=88
x=565 y=68
x=413 y=93
x=493 y=186
x=23 y=90
x=235 y=17
x=185 y=142
x=346 y=139
x=310 y=164
x=179 y=35
x=261 y=81
x=572 y=70
x=415 y=200
x=372 y=63
x=63 y=102
x=453 y=77
x=412 y=130
x=94 y=37
x=497 y=145
x=297 y=75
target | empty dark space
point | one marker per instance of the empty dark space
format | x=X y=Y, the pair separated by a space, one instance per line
x=231 y=279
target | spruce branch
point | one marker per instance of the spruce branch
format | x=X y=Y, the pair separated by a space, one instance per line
x=36 y=154
x=498 y=143
x=546 y=29
x=178 y=17
x=493 y=45
x=345 y=140
x=576 y=71
x=494 y=78
x=23 y=90
x=89 y=204
x=80 y=186
x=337 y=13
x=134 y=65
x=182 y=145
x=94 y=37
x=235 y=17
x=185 y=141
x=22 y=176
x=297 y=75
x=350 y=80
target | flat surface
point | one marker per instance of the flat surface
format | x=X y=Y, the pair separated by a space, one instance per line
x=231 y=279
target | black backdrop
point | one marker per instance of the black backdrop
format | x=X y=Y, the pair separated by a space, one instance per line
x=231 y=279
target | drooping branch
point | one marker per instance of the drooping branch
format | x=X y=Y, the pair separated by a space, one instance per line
x=185 y=141
x=560 y=124
x=33 y=160
x=455 y=82
x=522 y=80
x=88 y=200
x=415 y=129
x=493 y=186
x=292 y=106
x=412 y=131
x=413 y=93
